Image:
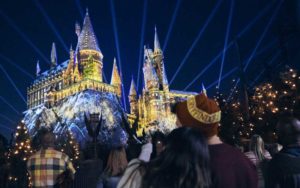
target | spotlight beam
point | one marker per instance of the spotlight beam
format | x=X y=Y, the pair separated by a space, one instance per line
x=196 y=40
x=223 y=77
x=113 y=15
x=142 y=41
x=6 y=118
x=79 y=8
x=270 y=63
x=6 y=127
x=16 y=65
x=260 y=40
x=226 y=41
x=248 y=26
x=17 y=29
x=10 y=105
x=50 y=23
x=12 y=83
x=171 y=24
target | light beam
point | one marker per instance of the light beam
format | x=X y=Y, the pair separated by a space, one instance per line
x=79 y=8
x=17 y=29
x=113 y=15
x=9 y=105
x=6 y=118
x=260 y=40
x=16 y=65
x=223 y=77
x=171 y=24
x=226 y=40
x=12 y=83
x=50 y=23
x=142 y=41
x=196 y=40
x=248 y=26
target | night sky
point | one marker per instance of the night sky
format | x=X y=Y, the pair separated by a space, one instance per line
x=195 y=38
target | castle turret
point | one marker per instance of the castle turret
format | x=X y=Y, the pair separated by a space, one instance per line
x=77 y=29
x=38 y=69
x=133 y=98
x=53 y=56
x=115 y=78
x=90 y=55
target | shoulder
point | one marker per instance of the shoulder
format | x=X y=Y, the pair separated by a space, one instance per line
x=132 y=176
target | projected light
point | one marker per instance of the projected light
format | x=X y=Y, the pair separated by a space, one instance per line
x=16 y=65
x=12 y=83
x=248 y=26
x=259 y=42
x=223 y=77
x=79 y=8
x=142 y=42
x=226 y=41
x=17 y=29
x=50 y=23
x=171 y=24
x=9 y=105
x=7 y=119
x=6 y=127
x=196 y=40
x=113 y=15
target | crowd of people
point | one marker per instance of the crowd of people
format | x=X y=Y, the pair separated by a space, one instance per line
x=191 y=156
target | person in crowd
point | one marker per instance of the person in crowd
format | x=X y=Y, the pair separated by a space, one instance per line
x=158 y=141
x=183 y=163
x=48 y=167
x=230 y=167
x=115 y=167
x=284 y=167
x=258 y=156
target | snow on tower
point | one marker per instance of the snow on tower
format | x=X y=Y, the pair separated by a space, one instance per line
x=53 y=56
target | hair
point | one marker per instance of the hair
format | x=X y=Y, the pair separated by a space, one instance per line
x=288 y=131
x=48 y=140
x=117 y=162
x=183 y=163
x=258 y=147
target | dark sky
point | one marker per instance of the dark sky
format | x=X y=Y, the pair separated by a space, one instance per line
x=29 y=27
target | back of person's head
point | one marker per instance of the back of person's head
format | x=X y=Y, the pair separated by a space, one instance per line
x=117 y=162
x=288 y=131
x=199 y=112
x=257 y=146
x=183 y=163
x=158 y=140
x=48 y=140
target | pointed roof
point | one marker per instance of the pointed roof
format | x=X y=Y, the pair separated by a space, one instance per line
x=115 y=76
x=38 y=69
x=53 y=56
x=132 y=90
x=156 y=41
x=87 y=38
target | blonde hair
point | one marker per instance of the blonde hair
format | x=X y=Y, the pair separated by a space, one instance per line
x=117 y=162
x=258 y=147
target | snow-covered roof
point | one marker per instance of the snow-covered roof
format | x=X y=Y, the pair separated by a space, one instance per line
x=55 y=70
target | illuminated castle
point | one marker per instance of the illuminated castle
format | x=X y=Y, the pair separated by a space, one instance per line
x=152 y=106
x=82 y=71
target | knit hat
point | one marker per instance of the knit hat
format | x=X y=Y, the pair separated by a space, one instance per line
x=199 y=112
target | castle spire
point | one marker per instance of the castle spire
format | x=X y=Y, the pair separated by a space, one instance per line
x=156 y=41
x=53 y=56
x=132 y=91
x=38 y=69
x=115 y=76
x=87 y=38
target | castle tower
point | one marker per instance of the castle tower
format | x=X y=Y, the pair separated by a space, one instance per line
x=115 y=78
x=38 y=69
x=90 y=56
x=53 y=56
x=133 y=98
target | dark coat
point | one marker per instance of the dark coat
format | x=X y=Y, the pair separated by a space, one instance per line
x=284 y=169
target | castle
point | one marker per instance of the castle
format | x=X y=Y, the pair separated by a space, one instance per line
x=84 y=71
